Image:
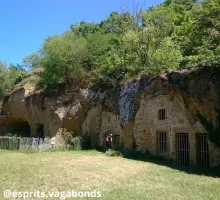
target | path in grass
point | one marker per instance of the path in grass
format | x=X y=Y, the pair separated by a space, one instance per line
x=114 y=177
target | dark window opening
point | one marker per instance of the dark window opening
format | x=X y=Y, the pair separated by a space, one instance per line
x=40 y=131
x=162 y=114
x=162 y=141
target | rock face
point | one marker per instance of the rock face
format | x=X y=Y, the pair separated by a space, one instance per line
x=156 y=114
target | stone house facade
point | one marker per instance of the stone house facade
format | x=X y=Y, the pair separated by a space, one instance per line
x=161 y=126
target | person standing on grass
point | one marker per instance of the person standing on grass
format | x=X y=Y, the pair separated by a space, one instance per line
x=109 y=142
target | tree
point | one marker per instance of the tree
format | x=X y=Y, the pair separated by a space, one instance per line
x=149 y=54
x=151 y=42
x=136 y=49
x=16 y=74
x=167 y=57
x=159 y=18
x=117 y=23
x=33 y=60
x=199 y=38
x=84 y=28
x=63 y=61
x=206 y=29
x=187 y=3
x=4 y=80
x=177 y=33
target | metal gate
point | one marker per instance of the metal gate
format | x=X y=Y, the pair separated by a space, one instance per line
x=202 y=150
x=182 y=148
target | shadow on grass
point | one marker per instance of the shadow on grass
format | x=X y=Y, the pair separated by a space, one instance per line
x=139 y=156
x=159 y=160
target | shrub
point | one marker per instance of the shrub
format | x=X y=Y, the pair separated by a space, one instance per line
x=111 y=152
x=74 y=143
x=77 y=143
x=91 y=141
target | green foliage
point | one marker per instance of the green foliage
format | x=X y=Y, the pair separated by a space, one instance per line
x=33 y=60
x=136 y=50
x=72 y=142
x=111 y=152
x=86 y=141
x=172 y=35
x=10 y=75
x=207 y=26
x=150 y=54
x=187 y=3
x=17 y=133
x=10 y=135
x=4 y=80
x=117 y=23
x=84 y=28
x=198 y=33
x=159 y=18
x=64 y=61
x=167 y=57
x=99 y=46
x=213 y=129
x=77 y=143
x=90 y=141
x=16 y=74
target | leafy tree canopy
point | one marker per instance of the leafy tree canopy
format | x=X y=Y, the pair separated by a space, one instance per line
x=175 y=34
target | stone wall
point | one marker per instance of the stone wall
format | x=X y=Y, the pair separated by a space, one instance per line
x=147 y=124
x=102 y=122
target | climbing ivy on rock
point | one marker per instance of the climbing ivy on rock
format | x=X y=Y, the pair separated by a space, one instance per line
x=212 y=128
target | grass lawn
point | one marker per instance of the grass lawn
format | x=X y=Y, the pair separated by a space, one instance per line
x=115 y=177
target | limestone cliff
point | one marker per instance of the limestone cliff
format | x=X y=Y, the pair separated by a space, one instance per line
x=133 y=117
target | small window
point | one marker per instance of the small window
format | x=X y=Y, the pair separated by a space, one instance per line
x=162 y=141
x=162 y=114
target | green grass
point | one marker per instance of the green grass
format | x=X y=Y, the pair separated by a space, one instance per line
x=115 y=177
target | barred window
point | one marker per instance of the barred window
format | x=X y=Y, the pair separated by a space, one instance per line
x=162 y=114
x=161 y=141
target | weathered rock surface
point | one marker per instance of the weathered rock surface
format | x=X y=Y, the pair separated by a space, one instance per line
x=134 y=116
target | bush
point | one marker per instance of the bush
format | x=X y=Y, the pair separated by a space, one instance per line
x=111 y=152
x=10 y=135
x=73 y=143
x=91 y=141
x=86 y=141
x=77 y=143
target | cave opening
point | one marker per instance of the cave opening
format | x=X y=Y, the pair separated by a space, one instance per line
x=40 y=130
x=13 y=126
